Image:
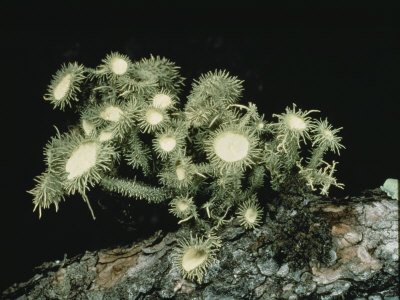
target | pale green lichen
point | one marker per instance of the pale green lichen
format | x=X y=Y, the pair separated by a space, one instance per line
x=210 y=156
x=391 y=188
x=65 y=85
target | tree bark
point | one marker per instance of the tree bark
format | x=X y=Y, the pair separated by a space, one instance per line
x=361 y=261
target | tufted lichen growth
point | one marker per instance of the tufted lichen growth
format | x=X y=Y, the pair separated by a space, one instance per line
x=208 y=157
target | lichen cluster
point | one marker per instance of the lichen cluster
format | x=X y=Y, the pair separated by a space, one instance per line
x=209 y=155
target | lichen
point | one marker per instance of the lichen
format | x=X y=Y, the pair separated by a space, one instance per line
x=391 y=188
x=208 y=157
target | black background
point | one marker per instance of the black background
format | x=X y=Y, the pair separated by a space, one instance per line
x=350 y=74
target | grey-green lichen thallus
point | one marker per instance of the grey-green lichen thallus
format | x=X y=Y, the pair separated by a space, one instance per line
x=209 y=154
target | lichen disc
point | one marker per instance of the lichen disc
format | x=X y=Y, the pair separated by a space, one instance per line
x=231 y=146
x=82 y=159
x=162 y=100
x=250 y=215
x=111 y=113
x=180 y=173
x=62 y=87
x=192 y=258
x=294 y=122
x=328 y=134
x=105 y=135
x=167 y=143
x=118 y=65
x=182 y=206
x=153 y=117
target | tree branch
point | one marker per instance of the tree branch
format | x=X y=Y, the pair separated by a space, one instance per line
x=362 y=262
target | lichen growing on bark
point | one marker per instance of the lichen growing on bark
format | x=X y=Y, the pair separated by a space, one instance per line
x=210 y=150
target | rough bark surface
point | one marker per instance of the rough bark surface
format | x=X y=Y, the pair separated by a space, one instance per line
x=362 y=263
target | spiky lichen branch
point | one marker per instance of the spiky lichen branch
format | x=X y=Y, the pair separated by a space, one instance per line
x=134 y=189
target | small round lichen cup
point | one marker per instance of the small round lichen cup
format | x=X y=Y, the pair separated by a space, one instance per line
x=153 y=119
x=111 y=113
x=82 y=159
x=232 y=148
x=249 y=213
x=194 y=256
x=293 y=126
x=167 y=143
x=180 y=172
x=162 y=100
x=182 y=206
x=118 y=65
x=115 y=65
x=65 y=85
